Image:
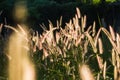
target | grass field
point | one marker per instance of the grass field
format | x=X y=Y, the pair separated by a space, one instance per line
x=76 y=52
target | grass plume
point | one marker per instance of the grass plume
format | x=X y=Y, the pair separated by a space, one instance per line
x=86 y=73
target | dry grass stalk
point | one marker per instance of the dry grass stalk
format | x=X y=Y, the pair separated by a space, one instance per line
x=104 y=70
x=98 y=76
x=97 y=36
x=57 y=37
x=78 y=12
x=78 y=41
x=83 y=23
x=45 y=53
x=100 y=46
x=118 y=42
x=110 y=39
x=22 y=30
x=85 y=47
x=11 y=28
x=115 y=73
x=93 y=29
x=76 y=23
x=113 y=57
x=100 y=62
x=89 y=29
x=112 y=33
x=91 y=42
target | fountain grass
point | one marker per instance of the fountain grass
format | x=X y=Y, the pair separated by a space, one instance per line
x=62 y=53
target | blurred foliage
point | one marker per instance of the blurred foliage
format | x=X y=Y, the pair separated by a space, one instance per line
x=40 y=11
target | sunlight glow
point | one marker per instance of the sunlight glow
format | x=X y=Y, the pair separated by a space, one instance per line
x=20 y=65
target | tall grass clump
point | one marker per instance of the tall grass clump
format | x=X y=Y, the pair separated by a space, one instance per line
x=62 y=52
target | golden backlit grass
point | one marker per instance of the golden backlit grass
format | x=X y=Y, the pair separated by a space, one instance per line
x=75 y=34
x=74 y=43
